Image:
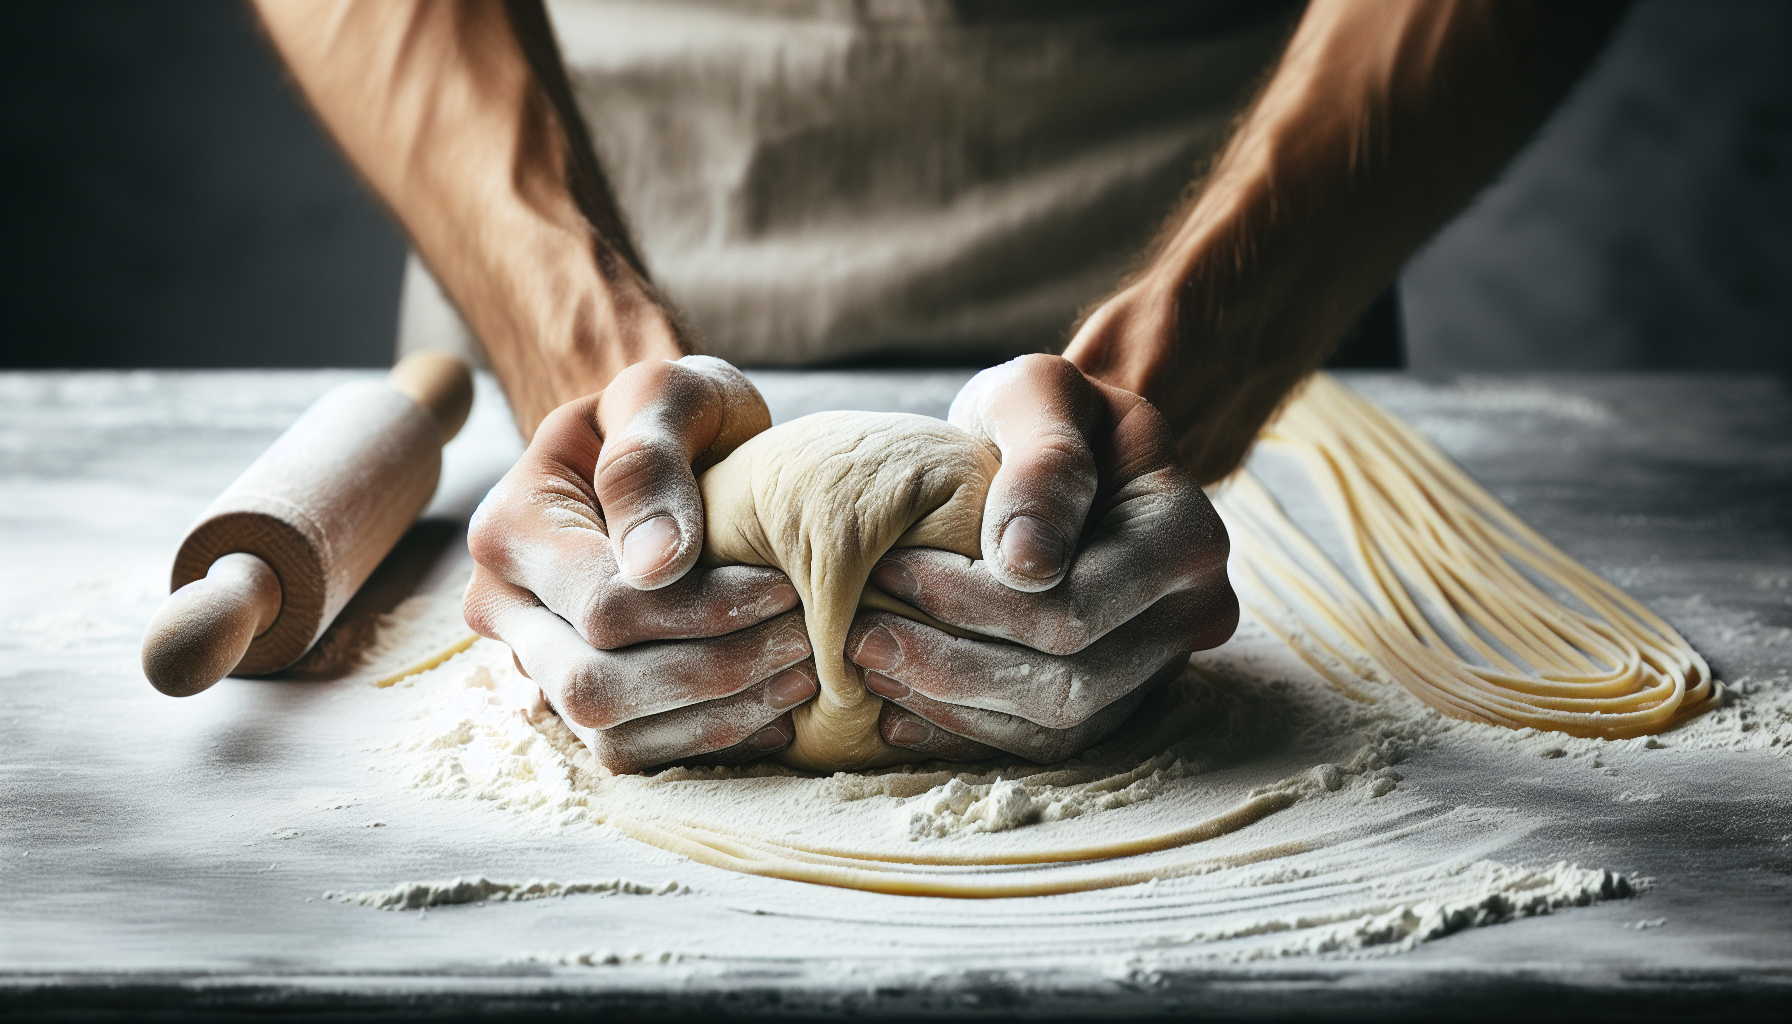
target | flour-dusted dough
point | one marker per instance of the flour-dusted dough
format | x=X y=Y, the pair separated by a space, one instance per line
x=822 y=498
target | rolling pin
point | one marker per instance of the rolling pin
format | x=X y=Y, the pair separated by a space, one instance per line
x=268 y=565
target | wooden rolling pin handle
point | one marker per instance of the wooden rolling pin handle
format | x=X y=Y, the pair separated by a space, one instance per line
x=286 y=546
x=203 y=630
x=439 y=383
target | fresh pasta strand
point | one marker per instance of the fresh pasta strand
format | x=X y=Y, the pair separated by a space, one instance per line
x=1425 y=537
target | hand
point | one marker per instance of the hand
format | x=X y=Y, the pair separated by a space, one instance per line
x=584 y=557
x=1103 y=564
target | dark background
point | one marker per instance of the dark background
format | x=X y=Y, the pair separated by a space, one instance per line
x=169 y=202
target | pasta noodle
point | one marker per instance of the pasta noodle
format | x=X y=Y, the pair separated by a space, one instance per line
x=1433 y=549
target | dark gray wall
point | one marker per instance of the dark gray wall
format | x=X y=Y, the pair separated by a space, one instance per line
x=1648 y=226
x=170 y=203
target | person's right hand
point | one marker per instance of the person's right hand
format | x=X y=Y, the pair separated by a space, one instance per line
x=584 y=557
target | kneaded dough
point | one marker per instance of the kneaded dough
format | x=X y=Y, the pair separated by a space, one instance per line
x=822 y=498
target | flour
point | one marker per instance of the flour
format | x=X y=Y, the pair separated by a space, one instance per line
x=1355 y=865
x=1403 y=909
x=423 y=895
x=1345 y=853
x=421 y=632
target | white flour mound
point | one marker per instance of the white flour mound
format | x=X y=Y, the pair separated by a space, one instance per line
x=1459 y=896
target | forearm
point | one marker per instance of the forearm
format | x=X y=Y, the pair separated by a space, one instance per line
x=1382 y=120
x=482 y=159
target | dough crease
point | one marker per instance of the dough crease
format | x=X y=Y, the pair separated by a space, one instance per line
x=822 y=498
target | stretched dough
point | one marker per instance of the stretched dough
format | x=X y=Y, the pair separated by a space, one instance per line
x=822 y=498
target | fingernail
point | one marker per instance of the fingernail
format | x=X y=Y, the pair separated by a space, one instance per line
x=780 y=598
x=768 y=738
x=884 y=686
x=878 y=650
x=649 y=546
x=908 y=731
x=519 y=665
x=894 y=579
x=791 y=642
x=788 y=689
x=1033 y=547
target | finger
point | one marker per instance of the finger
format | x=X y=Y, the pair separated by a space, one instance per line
x=978 y=728
x=1054 y=691
x=903 y=728
x=1153 y=533
x=743 y=727
x=703 y=604
x=541 y=520
x=663 y=422
x=540 y=530
x=1159 y=536
x=602 y=689
x=572 y=570
x=1039 y=412
x=779 y=734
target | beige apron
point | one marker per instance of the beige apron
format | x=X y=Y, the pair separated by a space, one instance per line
x=894 y=180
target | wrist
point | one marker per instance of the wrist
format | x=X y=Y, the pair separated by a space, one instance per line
x=559 y=321
x=1207 y=342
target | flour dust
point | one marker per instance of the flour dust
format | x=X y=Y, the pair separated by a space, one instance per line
x=1357 y=864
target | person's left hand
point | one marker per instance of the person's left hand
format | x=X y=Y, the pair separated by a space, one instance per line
x=1104 y=567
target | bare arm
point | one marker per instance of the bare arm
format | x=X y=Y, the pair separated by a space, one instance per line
x=459 y=115
x=1382 y=120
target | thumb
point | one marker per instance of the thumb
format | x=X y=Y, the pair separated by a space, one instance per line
x=1038 y=411
x=657 y=419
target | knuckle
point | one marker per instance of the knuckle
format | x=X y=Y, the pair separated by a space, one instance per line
x=567 y=418
x=1048 y=368
x=637 y=466
x=603 y=633
x=1220 y=623
x=586 y=695
x=1062 y=628
x=1056 y=748
x=709 y=372
x=477 y=609
x=641 y=377
x=1056 y=703
x=618 y=761
x=606 y=622
x=490 y=530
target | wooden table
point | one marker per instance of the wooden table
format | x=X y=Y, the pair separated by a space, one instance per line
x=162 y=854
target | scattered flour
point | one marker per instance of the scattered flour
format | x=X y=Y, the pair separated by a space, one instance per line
x=1466 y=896
x=1353 y=866
x=1355 y=862
x=423 y=895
